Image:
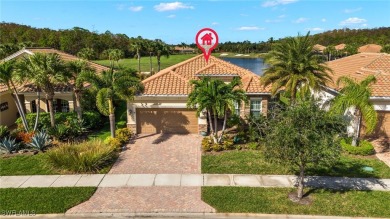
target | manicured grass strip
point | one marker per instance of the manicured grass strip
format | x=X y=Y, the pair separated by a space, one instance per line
x=275 y=201
x=253 y=162
x=145 y=64
x=25 y=165
x=43 y=200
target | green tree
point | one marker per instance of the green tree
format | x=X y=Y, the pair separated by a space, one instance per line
x=7 y=72
x=114 y=55
x=45 y=71
x=76 y=69
x=386 y=48
x=303 y=135
x=162 y=49
x=112 y=86
x=293 y=65
x=356 y=95
x=330 y=51
x=150 y=47
x=86 y=54
x=217 y=98
x=137 y=45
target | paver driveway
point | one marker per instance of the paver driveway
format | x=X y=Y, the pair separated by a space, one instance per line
x=157 y=154
x=161 y=154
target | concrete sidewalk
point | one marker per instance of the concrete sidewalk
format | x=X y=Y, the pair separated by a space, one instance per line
x=190 y=180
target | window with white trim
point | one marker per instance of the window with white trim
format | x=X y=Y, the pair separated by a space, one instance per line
x=237 y=106
x=256 y=107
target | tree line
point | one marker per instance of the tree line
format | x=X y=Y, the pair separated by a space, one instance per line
x=16 y=36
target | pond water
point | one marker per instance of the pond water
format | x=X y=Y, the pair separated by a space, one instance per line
x=254 y=65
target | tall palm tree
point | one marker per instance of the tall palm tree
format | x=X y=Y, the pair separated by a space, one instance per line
x=151 y=47
x=113 y=85
x=45 y=71
x=330 y=51
x=137 y=45
x=6 y=74
x=162 y=49
x=293 y=65
x=216 y=98
x=75 y=69
x=356 y=95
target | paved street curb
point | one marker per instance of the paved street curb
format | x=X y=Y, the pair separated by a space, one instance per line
x=183 y=215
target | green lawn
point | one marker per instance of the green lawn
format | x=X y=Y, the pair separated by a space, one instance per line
x=253 y=162
x=145 y=62
x=275 y=201
x=25 y=165
x=43 y=200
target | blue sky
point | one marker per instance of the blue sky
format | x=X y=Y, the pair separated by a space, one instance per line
x=178 y=21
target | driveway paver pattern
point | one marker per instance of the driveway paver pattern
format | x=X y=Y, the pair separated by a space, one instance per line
x=163 y=153
x=154 y=154
x=144 y=200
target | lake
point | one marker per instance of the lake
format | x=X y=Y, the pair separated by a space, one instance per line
x=254 y=65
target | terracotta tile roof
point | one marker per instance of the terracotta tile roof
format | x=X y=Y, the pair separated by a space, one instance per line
x=359 y=66
x=319 y=47
x=27 y=87
x=340 y=46
x=370 y=48
x=175 y=80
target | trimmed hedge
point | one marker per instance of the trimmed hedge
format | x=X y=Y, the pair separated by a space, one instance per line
x=91 y=119
x=364 y=148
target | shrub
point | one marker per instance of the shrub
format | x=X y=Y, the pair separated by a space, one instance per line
x=206 y=144
x=123 y=135
x=114 y=142
x=228 y=144
x=121 y=124
x=40 y=141
x=253 y=146
x=59 y=132
x=24 y=137
x=9 y=145
x=86 y=157
x=364 y=148
x=4 y=131
x=92 y=120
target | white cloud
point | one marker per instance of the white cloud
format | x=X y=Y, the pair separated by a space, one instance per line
x=214 y=23
x=250 y=28
x=171 y=16
x=244 y=15
x=172 y=6
x=300 y=20
x=314 y=29
x=273 y=3
x=282 y=16
x=136 y=8
x=353 y=21
x=352 y=10
x=364 y=25
x=323 y=20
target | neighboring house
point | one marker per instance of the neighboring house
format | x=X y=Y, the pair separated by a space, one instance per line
x=340 y=47
x=358 y=67
x=64 y=98
x=319 y=48
x=370 y=48
x=162 y=107
x=185 y=50
x=8 y=110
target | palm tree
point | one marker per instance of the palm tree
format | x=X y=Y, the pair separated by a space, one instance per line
x=217 y=98
x=6 y=74
x=44 y=71
x=137 y=46
x=330 y=51
x=113 y=85
x=356 y=95
x=86 y=53
x=115 y=55
x=293 y=65
x=75 y=69
x=162 y=49
x=150 y=47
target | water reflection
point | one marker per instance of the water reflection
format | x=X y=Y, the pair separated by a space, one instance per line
x=256 y=65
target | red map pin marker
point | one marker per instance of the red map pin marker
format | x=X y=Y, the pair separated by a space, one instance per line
x=206 y=39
